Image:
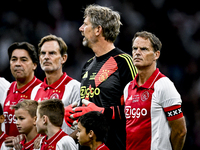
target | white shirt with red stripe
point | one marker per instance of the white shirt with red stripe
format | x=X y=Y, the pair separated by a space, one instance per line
x=148 y=108
x=66 y=89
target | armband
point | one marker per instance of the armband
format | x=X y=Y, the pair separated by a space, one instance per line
x=173 y=112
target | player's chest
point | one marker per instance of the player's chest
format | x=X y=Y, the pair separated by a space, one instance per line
x=15 y=97
x=50 y=93
x=138 y=103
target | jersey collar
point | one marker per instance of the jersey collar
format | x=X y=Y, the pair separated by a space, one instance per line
x=24 y=88
x=149 y=83
x=56 y=84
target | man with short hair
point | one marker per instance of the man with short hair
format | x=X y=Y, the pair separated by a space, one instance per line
x=105 y=75
x=57 y=84
x=154 y=119
x=23 y=62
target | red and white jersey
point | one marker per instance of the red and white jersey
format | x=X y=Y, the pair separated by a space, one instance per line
x=148 y=108
x=102 y=147
x=14 y=96
x=60 y=141
x=4 y=86
x=2 y=139
x=66 y=89
x=28 y=145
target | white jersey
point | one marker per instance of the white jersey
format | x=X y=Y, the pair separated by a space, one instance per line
x=4 y=86
x=148 y=108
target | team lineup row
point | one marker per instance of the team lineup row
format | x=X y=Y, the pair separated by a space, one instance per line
x=122 y=102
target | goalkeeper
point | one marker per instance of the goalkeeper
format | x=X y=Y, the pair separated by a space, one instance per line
x=105 y=75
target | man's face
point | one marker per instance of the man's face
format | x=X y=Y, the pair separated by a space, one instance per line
x=143 y=53
x=21 y=64
x=50 y=57
x=24 y=122
x=82 y=136
x=88 y=32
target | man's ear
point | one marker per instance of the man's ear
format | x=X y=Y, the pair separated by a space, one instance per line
x=64 y=58
x=34 y=66
x=157 y=55
x=98 y=30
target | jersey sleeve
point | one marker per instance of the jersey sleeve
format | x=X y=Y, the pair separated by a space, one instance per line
x=169 y=98
x=34 y=91
x=72 y=93
x=4 y=87
x=126 y=92
x=66 y=143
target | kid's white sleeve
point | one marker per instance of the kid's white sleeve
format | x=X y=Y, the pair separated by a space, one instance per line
x=66 y=142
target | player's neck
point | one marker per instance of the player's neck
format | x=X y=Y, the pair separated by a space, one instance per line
x=95 y=144
x=144 y=74
x=51 y=131
x=53 y=76
x=102 y=48
x=24 y=81
x=31 y=135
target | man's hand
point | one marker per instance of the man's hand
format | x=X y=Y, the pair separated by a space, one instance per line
x=68 y=112
x=89 y=106
x=72 y=112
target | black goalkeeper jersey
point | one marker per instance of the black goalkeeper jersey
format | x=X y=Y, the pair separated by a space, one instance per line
x=103 y=82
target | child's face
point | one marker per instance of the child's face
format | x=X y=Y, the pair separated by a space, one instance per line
x=2 y=119
x=39 y=123
x=82 y=136
x=24 y=122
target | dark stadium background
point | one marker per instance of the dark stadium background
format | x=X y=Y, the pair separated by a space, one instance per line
x=175 y=22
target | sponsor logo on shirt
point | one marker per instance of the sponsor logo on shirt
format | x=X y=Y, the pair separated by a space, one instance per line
x=89 y=92
x=135 y=112
x=9 y=118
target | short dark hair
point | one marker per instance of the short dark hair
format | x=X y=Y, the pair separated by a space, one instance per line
x=95 y=121
x=26 y=46
x=156 y=43
x=54 y=109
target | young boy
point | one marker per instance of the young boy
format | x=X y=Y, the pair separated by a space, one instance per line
x=25 y=115
x=92 y=129
x=2 y=134
x=50 y=115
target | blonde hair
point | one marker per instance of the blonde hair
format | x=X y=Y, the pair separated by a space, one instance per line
x=28 y=105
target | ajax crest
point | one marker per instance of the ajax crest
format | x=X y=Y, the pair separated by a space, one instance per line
x=145 y=96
